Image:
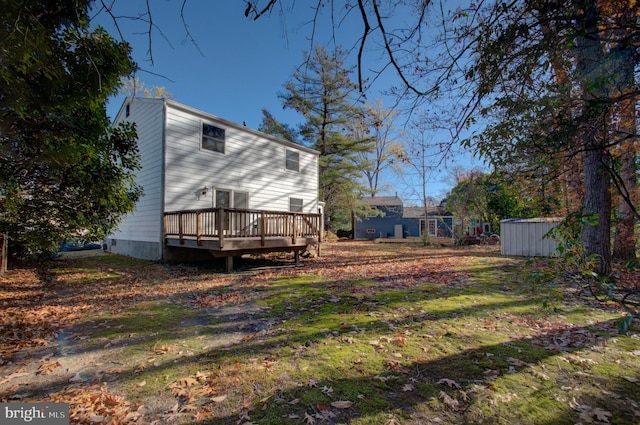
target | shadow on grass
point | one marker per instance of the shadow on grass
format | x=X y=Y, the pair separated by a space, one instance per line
x=320 y=307
x=383 y=392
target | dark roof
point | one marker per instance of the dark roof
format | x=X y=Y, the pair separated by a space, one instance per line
x=379 y=201
x=418 y=212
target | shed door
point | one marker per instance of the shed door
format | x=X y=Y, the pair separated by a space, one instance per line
x=397 y=231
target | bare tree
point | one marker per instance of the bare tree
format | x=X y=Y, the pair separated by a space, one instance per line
x=378 y=125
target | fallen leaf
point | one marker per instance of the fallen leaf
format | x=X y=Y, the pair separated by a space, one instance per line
x=408 y=387
x=450 y=382
x=188 y=408
x=308 y=419
x=326 y=390
x=219 y=399
x=202 y=415
x=451 y=403
x=161 y=350
x=601 y=415
x=342 y=404
x=517 y=362
x=398 y=340
x=541 y=375
x=13 y=376
x=47 y=368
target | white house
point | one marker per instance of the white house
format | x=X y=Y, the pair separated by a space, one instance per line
x=213 y=185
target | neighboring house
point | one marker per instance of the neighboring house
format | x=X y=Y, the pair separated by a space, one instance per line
x=476 y=227
x=391 y=219
x=212 y=186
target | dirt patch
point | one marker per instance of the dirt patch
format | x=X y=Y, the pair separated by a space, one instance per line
x=48 y=348
x=76 y=356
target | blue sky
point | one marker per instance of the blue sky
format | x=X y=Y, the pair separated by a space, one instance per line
x=238 y=65
x=236 y=68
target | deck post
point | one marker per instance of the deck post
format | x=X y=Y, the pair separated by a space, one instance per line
x=293 y=228
x=320 y=225
x=229 y=261
x=165 y=228
x=263 y=225
x=296 y=256
x=221 y=226
x=198 y=228
x=180 y=227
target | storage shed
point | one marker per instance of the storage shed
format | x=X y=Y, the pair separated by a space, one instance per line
x=524 y=237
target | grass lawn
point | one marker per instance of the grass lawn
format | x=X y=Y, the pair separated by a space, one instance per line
x=366 y=334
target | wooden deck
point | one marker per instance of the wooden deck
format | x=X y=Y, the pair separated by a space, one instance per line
x=226 y=232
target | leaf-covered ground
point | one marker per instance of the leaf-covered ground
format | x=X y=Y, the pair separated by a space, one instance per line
x=365 y=334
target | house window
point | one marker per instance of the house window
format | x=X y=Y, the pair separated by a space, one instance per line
x=432 y=228
x=292 y=160
x=431 y=231
x=295 y=205
x=223 y=198
x=127 y=110
x=213 y=138
x=241 y=200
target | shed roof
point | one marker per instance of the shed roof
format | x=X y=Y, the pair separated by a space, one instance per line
x=533 y=220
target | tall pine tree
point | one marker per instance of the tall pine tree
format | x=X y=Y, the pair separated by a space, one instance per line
x=322 y=91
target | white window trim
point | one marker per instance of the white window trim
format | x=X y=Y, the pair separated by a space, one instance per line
x=232 y=196
x=202 y=136
x=222 y=189
x=286 y=152
x=426 y=228
x=301 y=206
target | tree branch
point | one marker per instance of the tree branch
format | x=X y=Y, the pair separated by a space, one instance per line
x=367 y=28
x=390 y=54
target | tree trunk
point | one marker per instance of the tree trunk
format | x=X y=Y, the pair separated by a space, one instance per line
x=596 y=237
x=591 y=72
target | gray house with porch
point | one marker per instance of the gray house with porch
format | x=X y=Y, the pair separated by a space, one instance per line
x=389 y=218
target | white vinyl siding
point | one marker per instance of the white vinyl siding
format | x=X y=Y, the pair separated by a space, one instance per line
x=252 y=164
x=143 y=224
x=176 y=170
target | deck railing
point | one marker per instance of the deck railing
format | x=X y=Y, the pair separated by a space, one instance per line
x=227 y=223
